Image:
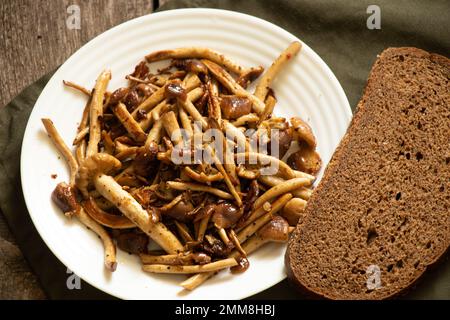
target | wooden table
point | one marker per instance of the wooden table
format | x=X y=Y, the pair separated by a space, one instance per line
x=35 y=39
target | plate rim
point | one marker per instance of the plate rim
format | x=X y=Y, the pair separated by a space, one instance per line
x=340 y=91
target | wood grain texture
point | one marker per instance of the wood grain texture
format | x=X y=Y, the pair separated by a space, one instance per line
x=35 y=40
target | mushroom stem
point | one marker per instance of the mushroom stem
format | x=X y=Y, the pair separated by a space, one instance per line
x=80 y=136
x=209 y=267
x=112 y=191
x=202 y=177
x=229 y=164
x=131 y=125
x=149 y=103
x=237 y=244
x=234 y=133
x=65 y=198
x=199 y=53
x=215 y=111
x=80 y=152
x=198 y=187
x=104 y=218
x=196 y=280
x=223 y=235
x=228 y=82
x=171 y=204
x=185 y=122
x=154 y=136
x=156 y=102
x=266 y=80
x=251 y=117
x=192 y=110
x=268 y=110
x=202 y=227
x=175 y=259
x=276 y=230
x=255 y=214
x=154 y=115
x=303 y=193
x=172 y=127
x=282 y=168
x=77 y=87
x=62 y=147
x=183 y=231
x=96 y=112
x=247 y=174
x=282 y=188
x=251 y=228
x=228 y=182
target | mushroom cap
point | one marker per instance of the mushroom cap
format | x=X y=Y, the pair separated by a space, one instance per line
x=102 y=163
x=96 y=164
x=303 y=132
x=132 y=242
x=196 y=66
x=175 y=90
x=234 y=107
x=276 y=230
x=293 y=211
x=225 y=215
x=145 y=89
x=283 y=139
x=65 y=198
x=181 y=211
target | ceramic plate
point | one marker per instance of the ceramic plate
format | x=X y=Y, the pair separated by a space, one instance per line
x=306 y=88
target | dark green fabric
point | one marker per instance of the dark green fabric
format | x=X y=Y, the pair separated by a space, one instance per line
x=49 y=270
x=336 y=30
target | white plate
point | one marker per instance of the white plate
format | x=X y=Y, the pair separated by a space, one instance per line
x=306 y=88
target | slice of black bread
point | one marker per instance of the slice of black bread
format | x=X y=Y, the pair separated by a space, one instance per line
x=384 y=201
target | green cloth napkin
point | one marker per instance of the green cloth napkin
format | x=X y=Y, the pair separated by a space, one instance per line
x=336 y=30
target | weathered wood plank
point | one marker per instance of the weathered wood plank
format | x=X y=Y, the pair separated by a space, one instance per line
x=34 y=40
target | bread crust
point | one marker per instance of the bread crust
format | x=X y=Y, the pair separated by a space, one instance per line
x=333 y=166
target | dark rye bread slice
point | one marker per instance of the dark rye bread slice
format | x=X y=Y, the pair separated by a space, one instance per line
x=385 y=196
